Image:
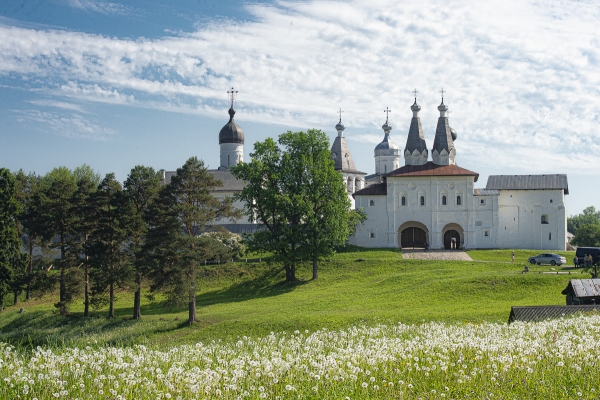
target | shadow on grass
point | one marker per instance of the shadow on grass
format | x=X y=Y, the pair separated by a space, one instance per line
x=267 y=284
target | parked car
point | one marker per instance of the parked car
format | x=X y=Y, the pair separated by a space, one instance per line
x=548 y=258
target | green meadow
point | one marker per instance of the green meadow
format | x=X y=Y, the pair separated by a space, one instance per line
x=355 y=287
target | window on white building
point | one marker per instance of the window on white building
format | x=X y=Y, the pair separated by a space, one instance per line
x=544 y=219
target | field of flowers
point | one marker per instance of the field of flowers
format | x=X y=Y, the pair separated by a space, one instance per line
x=553 y=360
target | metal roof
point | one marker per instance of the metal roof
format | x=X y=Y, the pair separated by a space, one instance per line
x=378 y=189
x=342 y=159
x=485 y=192
x=230 y=183
x=584 y=287
x=528 y=182
x=540 y=313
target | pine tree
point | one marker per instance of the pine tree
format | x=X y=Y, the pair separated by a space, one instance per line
x=185 y=209
x=107 y=242
x=11 y=258
x=141 y=189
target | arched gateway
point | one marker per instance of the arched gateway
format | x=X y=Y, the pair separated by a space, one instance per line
x=412 y=234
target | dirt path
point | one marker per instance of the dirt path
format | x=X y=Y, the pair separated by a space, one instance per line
x=455 y=255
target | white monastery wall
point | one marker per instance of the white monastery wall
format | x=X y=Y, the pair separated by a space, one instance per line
x=532 y=219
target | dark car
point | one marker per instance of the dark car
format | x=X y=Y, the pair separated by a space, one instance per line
x=593 y=251
x=548 y=258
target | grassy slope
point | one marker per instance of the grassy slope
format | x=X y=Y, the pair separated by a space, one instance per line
x=353 y=288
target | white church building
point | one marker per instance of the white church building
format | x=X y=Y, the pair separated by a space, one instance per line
x=431 y=202
x=434 y=202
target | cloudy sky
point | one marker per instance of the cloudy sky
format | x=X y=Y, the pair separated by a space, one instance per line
x=122 y=83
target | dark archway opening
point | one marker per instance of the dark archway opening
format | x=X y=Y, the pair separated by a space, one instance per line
x=413 y=238
x=448 y=236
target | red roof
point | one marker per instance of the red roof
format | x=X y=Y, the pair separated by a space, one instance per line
x=431 y=169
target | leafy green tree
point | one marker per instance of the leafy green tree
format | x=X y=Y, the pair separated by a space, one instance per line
x=589 y=216
x=299 y=198
x=588 y=235
x=107 y=242
x=184 y=211
x=141 y=189
x=11 y=258
x=55 y=222
x=88 y=181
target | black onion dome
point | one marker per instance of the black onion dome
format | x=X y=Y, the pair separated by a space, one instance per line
x=231 y=133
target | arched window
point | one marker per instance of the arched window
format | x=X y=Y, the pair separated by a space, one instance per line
x=443 y=200
x=422 y=200
x=403 y=200
x=458 y=201
x=544 y=219
x=371 y=203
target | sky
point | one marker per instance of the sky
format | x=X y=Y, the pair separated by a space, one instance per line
x=116 y=84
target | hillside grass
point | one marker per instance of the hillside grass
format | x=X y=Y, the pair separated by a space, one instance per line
x=355 y=287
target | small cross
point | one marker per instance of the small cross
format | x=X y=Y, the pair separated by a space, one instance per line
x=232 y=94
x=387 y=112
x=442 y=92
x=415 y=93
x=340 y=112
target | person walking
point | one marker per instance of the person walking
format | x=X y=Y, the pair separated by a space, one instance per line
x=512 y=257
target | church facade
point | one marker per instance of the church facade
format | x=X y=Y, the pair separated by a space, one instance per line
x=434 y=203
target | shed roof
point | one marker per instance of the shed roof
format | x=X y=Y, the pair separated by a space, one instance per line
x=373 y=190
x=230 y=183
x=431 y=169
x=540 y=313
x=528 y=182
x=583 y=287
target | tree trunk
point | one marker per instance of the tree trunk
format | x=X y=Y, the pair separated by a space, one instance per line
x=111 y=300
x=192 y=298
x=315 y=265
x=137 y=309
x=290 y=273
x=86 y=301
x=29 y=270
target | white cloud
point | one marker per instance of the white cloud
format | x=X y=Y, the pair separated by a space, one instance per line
x=101 y=7
x=522 y=77
x=64 y=124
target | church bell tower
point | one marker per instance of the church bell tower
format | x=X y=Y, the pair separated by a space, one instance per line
x=231 y=138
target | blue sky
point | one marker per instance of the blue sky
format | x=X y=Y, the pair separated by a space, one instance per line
x=115 y=84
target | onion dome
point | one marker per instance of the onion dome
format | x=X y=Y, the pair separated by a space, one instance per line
x=231 y=133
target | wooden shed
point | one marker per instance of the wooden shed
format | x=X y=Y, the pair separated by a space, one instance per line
x=582 y=292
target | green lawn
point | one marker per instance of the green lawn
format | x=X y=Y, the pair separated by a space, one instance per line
x=354 y=287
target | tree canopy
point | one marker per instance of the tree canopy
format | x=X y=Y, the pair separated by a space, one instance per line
x=294 y=192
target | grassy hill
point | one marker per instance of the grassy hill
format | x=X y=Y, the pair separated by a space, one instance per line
x=357 y=286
